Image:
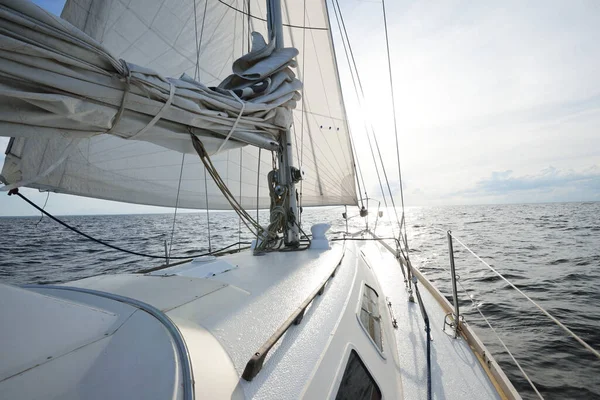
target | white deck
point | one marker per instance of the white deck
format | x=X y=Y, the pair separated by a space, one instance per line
x=226 y=318
x=455 y=370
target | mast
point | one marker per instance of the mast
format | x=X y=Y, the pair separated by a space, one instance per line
x=288 y=174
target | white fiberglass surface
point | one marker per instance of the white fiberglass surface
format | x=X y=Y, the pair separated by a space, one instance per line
x=264 y=292
x=455 y=370
x=294 y=359
x=162 y=293
x=85 y=346
x=198 y=268
x=38 y=328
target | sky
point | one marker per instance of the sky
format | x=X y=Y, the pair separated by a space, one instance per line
x=496 y=102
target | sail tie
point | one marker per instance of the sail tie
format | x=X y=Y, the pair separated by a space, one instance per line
x=235 y=124
x=74 y=142
x=127 y=75
x=161 y=112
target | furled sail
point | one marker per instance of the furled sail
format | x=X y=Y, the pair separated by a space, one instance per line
x=66 y=145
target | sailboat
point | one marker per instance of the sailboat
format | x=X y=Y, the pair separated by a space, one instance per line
x=93 y=110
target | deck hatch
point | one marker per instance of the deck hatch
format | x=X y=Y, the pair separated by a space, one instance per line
x=370 y=315
x=357 y=382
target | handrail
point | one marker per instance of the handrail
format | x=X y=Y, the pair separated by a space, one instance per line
x=554 y=319
x=255 y=364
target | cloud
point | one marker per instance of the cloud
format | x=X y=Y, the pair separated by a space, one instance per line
x=554 y=184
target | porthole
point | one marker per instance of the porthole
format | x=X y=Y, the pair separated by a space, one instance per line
x=370 y=316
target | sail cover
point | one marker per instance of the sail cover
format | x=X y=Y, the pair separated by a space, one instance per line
x=195 y=41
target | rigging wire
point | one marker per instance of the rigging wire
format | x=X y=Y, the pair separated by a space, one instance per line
x=356 y=163
x=240 y=218
x=242 y=35
x=177 y=204
x=387 y=44
x=243 y=28
x=301 y=161
x=250 y=26
x=314 y=28
x=196 y=76
x=354 y=71
x=554 y=319
x=475 y=305
x=199 y=41
x=500 y=339
x=135 y=253
x=207 y=209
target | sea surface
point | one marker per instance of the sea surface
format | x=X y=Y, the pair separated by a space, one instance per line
x=550 y=251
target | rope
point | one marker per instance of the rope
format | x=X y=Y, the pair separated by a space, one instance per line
x=556 y=321
x=16 y=192
x=235 y=124
x=246 y=218
x=127 y=75
x=155 y=119
x=43 y=208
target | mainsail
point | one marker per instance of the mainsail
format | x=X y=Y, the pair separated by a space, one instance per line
x=181 y=39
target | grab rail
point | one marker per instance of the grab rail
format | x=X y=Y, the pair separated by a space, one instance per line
x=255 y=364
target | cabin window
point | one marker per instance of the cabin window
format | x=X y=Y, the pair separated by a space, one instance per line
x=370 y=316
x=357 y=382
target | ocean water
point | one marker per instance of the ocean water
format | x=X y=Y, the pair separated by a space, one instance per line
x=550 y=251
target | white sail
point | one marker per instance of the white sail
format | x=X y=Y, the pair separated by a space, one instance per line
x=162 y=36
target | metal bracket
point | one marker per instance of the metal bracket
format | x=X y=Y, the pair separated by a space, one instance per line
x=451 y=321
x=394 y=321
